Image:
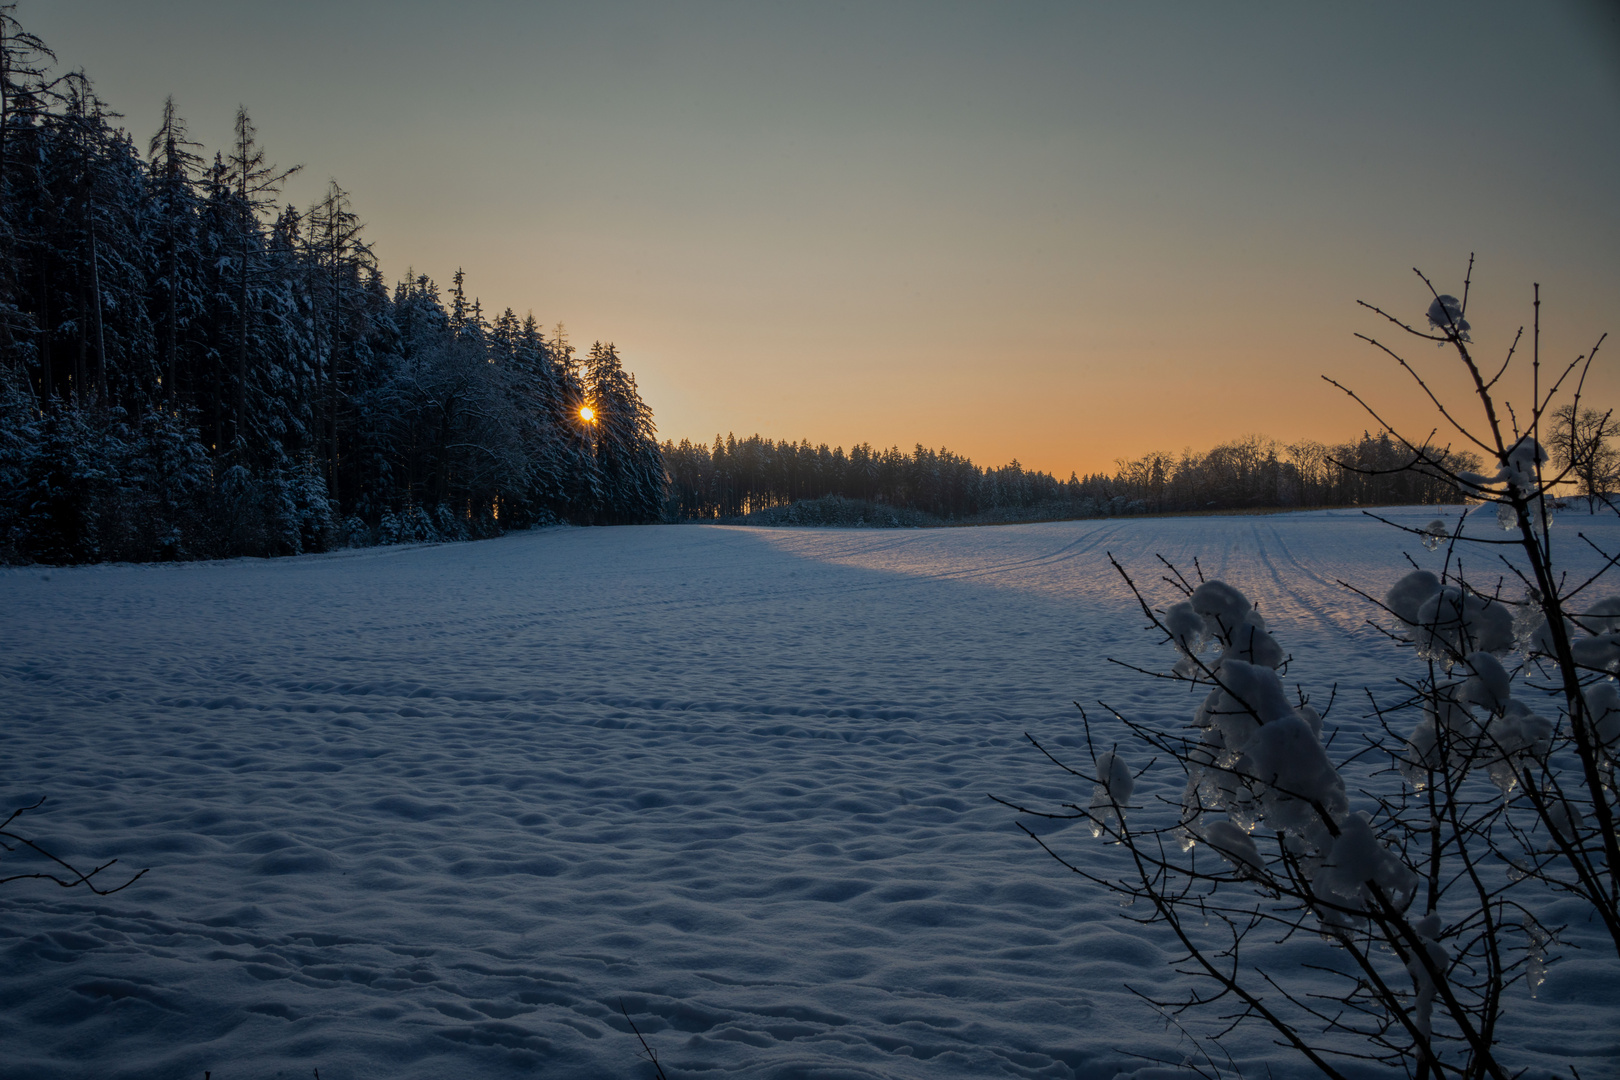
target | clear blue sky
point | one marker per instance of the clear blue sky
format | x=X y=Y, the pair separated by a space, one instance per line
x=1061 y=232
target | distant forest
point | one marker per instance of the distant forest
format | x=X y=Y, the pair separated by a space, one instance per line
x=741 y=477
x=189 y=368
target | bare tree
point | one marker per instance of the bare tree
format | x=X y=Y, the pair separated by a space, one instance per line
x=1496 y=800
x=1579 y=445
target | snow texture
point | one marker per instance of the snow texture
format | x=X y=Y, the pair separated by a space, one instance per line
x=439 y=810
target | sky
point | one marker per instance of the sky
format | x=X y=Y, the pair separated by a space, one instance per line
x=1061 y=233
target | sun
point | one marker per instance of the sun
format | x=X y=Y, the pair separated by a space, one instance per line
x=587 y=414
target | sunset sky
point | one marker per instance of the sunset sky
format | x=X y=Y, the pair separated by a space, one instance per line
x=1057 y=232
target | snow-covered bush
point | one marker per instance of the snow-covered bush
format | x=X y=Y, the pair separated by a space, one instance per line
x=448 y=523
x=1428 y=857
x=390 y=530
x=418 y=527
x=355 y=533
x=91 y=484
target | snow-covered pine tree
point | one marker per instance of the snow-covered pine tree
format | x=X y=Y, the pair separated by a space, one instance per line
x=250 y=185
x=538 y=387
x=172 y=211
x=26 y=95
x=338 y=264
x=582 y=491
x=628 y=457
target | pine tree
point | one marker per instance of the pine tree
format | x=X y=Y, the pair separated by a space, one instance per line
x=252 y=183
x=628 y=457
x=173 y=212
x=26 y=94
x=340 y=261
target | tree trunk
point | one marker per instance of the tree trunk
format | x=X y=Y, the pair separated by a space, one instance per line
x=95 y=292
x=46 y=375
x=171 y=382
x=78 y=360
x=332 y=366
x=239 y=389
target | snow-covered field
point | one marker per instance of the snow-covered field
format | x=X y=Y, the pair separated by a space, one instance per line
x=437 y=811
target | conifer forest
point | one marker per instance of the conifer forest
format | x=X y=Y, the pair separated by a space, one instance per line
x=744 y=477
x=192 y=368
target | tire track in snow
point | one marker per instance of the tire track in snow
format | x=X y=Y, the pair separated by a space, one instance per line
x=1308 y=606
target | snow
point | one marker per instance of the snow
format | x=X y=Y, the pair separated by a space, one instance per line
x=1448 y=622
x=439 y=810
x=1604 y=700
x=1112 y=795
x=1445 y=315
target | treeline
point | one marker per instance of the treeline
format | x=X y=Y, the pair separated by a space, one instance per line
x=1256 y=472
x=738 y=477
x=189 y=368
